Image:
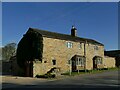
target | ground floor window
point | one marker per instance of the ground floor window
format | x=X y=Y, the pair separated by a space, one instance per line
x=54 y=62
x=99 y=61
x=80 y=61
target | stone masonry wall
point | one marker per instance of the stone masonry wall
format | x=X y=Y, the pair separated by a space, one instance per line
x=109 y=62
x=56 y=49
x=91 y=53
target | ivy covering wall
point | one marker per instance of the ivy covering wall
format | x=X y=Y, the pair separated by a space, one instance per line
x=29 y=48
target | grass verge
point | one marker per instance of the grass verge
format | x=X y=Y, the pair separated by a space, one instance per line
x=89 y=71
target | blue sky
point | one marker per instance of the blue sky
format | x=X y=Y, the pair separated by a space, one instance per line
x=98 y=21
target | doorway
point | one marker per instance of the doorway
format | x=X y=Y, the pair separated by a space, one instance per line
x=29 y=69
x=94 y=63
x=97 y=61
x=77 y=61
x=74 y=67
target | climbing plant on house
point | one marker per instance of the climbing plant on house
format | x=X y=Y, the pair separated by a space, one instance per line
x=29 y=48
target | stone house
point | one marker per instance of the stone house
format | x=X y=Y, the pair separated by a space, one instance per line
x=40 y=51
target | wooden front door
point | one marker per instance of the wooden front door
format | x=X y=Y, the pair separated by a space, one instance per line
x=73 y=65
x=94 y=64
x=29 y=69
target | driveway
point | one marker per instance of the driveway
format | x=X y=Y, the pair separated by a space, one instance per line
x=108 y=79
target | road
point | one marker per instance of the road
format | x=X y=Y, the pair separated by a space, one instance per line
x=108 y=79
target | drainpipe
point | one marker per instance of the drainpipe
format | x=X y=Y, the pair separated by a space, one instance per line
x=70 y=67
x=70 y=64
x=85 y=54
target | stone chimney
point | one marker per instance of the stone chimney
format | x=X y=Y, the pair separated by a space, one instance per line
x=73 y=31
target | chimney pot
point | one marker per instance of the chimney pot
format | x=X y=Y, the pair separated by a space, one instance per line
x=73 y=31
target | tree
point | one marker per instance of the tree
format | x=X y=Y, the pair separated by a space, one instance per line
x=8 y=51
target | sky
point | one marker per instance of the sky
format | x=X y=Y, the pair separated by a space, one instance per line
x=98 y=21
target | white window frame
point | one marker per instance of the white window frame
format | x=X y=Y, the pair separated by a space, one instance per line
x=69 y=44
x=80 y=61
x=99 y=61
x=80 y=45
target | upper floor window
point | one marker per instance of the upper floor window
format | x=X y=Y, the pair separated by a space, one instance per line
x=80 y=46
x=69 y=44
x=95 y=47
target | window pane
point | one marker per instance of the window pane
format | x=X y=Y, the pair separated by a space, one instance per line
x=69 y=44
x=100 y=60
x=82 y=62
x=79 y=61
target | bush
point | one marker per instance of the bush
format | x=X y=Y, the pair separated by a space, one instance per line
x=105 y=68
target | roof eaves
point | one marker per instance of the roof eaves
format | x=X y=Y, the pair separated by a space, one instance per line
x=46 y=33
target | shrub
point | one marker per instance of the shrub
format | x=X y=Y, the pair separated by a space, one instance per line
x=46 y=76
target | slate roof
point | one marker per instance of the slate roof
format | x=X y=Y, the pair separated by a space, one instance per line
x=55 y=35
x=112 y=53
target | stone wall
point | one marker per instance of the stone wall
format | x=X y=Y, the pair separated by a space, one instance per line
x=37 y=68
x=56 y=49
x=91 y=53
x=109 y=62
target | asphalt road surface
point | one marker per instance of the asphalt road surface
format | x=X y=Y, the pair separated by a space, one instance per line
x=108 y=80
